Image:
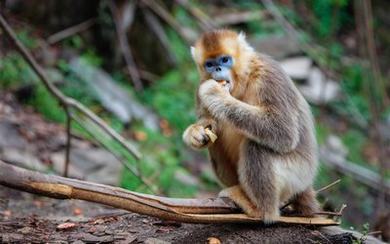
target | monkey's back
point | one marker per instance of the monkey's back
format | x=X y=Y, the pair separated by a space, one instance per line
x=275 y=89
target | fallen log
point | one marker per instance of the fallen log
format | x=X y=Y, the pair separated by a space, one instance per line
x=211 y=210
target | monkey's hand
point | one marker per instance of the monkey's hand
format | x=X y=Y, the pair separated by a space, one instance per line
x=201 y=134
x=212 y=93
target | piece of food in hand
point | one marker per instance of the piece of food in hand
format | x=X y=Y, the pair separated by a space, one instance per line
x=213 y=137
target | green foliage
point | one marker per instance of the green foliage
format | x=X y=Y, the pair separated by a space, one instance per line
x=26 y=38
x=322 y=131
x=355 y=141
x=172 y=97
x=329 y=17
x=74 y=42
x=47 y=105
x=182 y=50
x=15 y=72
x=162 y=164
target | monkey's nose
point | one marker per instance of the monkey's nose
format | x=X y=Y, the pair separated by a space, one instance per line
x=218 y=69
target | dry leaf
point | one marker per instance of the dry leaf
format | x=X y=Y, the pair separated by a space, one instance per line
x=140 y=136
x=165 y=127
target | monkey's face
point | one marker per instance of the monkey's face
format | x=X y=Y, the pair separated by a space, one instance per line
x=217 y=55
x=220 y=69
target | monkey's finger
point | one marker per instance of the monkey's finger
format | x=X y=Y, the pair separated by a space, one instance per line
x=199 y=137
x=203 y=139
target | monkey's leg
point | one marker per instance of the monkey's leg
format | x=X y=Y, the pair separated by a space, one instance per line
x=258 y=181
x=305 y=203
x=241 y=199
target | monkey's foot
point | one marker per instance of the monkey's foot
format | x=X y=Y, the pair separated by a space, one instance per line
x=305 y=203
x=239 y=197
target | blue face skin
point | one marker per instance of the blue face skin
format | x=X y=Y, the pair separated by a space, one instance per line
x=219 y=68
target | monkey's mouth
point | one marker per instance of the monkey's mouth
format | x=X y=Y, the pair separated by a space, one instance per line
x=227 y=84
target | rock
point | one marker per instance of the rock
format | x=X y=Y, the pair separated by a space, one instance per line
x=298 y=68
x=78 y=242
x=113 y=97
x=319 y=90
x=89 y=238
x=155 y=241
x=22 y=158
x=26 y=230
x=276 y=46
x=336 y=146
x=92 y=164
x=10 y=136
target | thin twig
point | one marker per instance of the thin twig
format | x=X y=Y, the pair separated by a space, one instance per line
x=68 y=140
x=187 y=34
x=291 y=31
x=237 y=18
x=320 y=190
x=204 y=20
x=328 y=213
x=124 y=45
x=343 y=206
x=70 y=31
x=328 y=186
x=155 y=25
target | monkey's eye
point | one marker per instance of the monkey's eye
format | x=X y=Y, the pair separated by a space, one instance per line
x=225 y=61
x=208 y=64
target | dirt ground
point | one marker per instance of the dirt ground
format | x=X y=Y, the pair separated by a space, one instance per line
x=25 y=218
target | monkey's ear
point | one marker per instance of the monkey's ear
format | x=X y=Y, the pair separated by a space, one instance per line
x=242 y=41
x=241 y=36
x=193 y=52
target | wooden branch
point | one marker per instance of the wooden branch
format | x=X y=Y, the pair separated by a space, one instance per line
x=68 y=140
x=205 y=22
x=238 y=18
x=158 y=29
x=359 y=173
x=187 y=34
x=56 y=37
x=121 y=32
x=211 y=210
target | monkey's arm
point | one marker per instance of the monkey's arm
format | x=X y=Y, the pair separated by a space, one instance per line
x=267 y=125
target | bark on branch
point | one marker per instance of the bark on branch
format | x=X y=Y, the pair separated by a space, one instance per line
x=211 y=210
